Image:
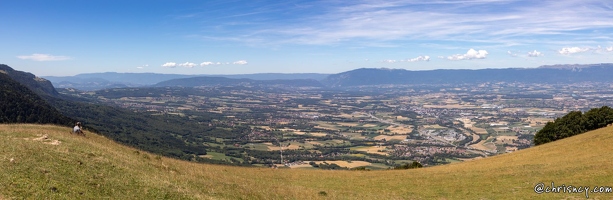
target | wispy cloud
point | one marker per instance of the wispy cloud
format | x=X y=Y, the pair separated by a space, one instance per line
x=374 y=21
x=471 y=54
x=202 y=64
x=416 y=59
x=535 y=54
x=511 y=53
x=240 y=62
x=44 y=57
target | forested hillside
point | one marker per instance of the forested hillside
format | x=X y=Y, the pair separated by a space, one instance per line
x=28 y=99
x=18 y=104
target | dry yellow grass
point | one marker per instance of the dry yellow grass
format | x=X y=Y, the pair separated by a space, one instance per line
x=94 y=167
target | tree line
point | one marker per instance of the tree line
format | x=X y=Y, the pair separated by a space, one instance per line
x=574 y=123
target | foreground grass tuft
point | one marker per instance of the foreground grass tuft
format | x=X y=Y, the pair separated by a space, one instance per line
x=47 y=162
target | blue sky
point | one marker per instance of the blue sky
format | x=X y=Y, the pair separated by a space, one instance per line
x=68 y=37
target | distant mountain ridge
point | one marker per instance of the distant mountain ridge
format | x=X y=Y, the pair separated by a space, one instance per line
x=557 y=74
x=570 y=73
x=96 y=81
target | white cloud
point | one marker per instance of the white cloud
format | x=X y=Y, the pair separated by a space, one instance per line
x=240 y=62
x=206 y=63
x=188 y=64
x=419 y=58
x=471 y=54
x=572 y=50
x=169 y=65
x=390 y=61
x=44 y=57
x=535 y=54
x=610 y=48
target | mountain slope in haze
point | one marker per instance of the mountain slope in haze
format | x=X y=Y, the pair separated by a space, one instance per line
x=18 y=104
x=222 y=81
x=65 y=166
x=366 y=76
x=34 y=83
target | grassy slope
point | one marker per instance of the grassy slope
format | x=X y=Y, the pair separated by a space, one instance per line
x=95 y=167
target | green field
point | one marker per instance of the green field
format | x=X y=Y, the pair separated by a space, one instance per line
x=65 y=166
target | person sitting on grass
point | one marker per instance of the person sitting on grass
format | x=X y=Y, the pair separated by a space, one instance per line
x=77 y=129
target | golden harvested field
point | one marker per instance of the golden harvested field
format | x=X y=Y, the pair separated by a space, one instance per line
x=482 y=145
x=400 y=129
x=277 y=148
x=348 y=124
x=536 y=121
x=435 y=126
x=390 y=137
x=480 y=131
x=401 y=118
x=505 y=139
x=94 y=167
x=318 y=134
x=372 y=149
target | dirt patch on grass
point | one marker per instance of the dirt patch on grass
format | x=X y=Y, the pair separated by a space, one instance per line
x=45 y=139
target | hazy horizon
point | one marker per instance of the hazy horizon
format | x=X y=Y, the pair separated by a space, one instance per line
x=64 y=38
